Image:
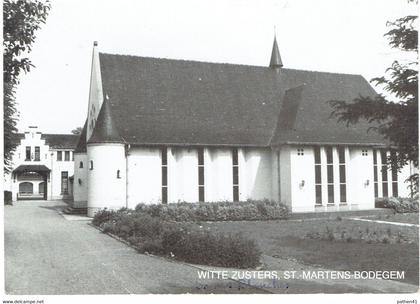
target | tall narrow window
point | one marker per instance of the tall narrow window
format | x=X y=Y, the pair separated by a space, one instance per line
x=164 y=176
x=72 y=156
x=318 y=180
x=67 y=155
x=201 y=175
x=59 y=155
x=235 y=166
x=394 y=175
x=28 y=153
x=91 y=165
x=64 y=182
x=330 y=175
x=342 y=170
x=384 y=174
x=37 y=154
x=375 y=173
x=81 y=165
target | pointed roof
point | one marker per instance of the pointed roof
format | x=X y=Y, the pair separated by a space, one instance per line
x=105 y=130
x=275 y=61
x=177 y=102
x=305 y=117
x=81 y=145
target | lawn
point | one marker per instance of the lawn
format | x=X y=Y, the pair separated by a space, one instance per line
x=289 y=239
x=409 y=218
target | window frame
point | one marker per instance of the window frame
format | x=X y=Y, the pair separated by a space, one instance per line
x=318 y=176
x=235 y=174
x=330 y=174
x=164 y=171
x=64 y=182
x=66 y=155
x=201 y=177
x=37 y=153
x=28 y=153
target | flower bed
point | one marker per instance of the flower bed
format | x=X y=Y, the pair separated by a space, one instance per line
x=217 y=211
x=181 y=241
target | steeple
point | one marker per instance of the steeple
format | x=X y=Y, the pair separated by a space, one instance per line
x=105 y=130
x=81 y=145
x=275 y=61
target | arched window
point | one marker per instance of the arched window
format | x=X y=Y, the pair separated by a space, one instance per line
x=26 y=188
x=118 y=174
x=91 y=165
x=81 y=165
x=41 y=188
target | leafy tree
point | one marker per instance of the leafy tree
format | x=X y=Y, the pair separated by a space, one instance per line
x=396 y=121
x=21 y=19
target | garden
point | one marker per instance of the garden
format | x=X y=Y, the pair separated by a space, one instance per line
x=243 y=235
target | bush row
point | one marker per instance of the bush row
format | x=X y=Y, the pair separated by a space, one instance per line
x=398 y=204
x=367 y=235
x=182 y=241
x=217 y=211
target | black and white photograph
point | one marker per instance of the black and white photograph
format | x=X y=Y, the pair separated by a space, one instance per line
x=198 y=147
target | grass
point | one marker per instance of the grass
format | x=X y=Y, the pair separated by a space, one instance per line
x=287 y=240
x=409 y=218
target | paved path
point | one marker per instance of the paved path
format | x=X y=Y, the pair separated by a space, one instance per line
x=382 y=222
x=48 y=254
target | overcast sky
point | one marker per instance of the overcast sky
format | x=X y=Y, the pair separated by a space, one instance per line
x=325 y=35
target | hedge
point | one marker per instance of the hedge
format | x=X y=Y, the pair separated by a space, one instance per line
x=181 y=241
x=398 y=204
x=217 y=211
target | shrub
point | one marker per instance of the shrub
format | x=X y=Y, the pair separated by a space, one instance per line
x=102 y=216
x=182 y=241
x=369 y=236
x=202 y=247
x=398 y=204
x=217 y=211
x=8 y=197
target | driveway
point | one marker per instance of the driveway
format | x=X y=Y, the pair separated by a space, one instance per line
x=48 y=254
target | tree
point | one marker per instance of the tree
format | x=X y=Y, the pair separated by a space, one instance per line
x=21 y=19
x=77 y=131
x=396 y=121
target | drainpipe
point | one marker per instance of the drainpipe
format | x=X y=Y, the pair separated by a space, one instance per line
x=278 y=175
x=51 y=176
x=126 y=174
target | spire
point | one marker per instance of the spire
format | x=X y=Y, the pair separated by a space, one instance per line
x=81 y=145
x=105 y=130
x=275 y=61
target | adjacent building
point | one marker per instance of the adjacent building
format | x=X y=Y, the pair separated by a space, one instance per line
x=43 y=166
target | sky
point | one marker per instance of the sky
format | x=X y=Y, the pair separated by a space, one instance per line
x=343 y=36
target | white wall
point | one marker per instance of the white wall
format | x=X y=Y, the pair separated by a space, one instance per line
x=144 y=176
x=285 y=175
x=218 y=172
x=80 y=183
x=182 y=175
x=104 y=188
x=48 y=158
x=57 y=167
x=302 y=181
x=145 y=179
x=258 y=165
